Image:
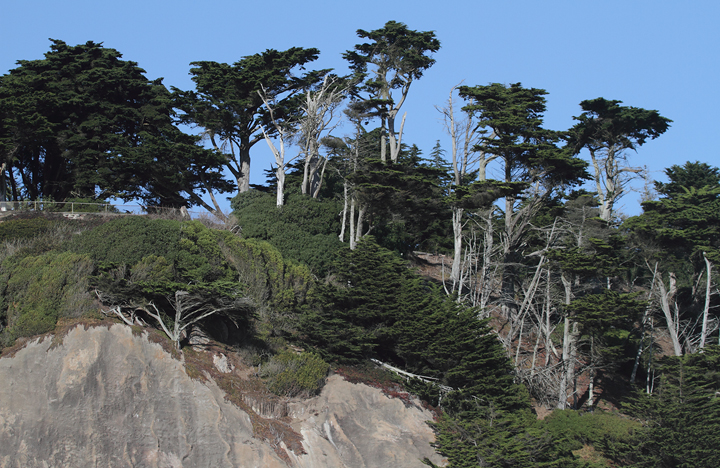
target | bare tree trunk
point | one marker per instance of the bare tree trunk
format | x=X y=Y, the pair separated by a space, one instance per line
x=344 y=211
x=283 y=132
x=383 y=140
x=396 y=143
x=360 y=220
x=666 y=296
x=243 y=180
x=457 y=215
x=706 y=309
x=353 y=239
x=280 y=198
x=569 y=351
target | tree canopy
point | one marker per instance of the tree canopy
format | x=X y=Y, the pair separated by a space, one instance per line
x=82 y=122
x=228 y=105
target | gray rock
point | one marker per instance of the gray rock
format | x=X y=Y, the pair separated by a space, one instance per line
x=109 y=398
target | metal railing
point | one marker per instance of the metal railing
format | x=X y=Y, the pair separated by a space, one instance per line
x=89 y=208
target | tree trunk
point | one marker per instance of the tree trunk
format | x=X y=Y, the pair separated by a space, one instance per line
x=353 y=240
x=706 y=309
x=280 y=174
x=457 y=215
x=666 y=296
x=569 y=349
x=243 y=180
x=344 y=212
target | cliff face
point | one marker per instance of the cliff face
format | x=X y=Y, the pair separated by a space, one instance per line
x=106 y=397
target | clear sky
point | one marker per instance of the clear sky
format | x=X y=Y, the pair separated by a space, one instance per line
x=657 y=54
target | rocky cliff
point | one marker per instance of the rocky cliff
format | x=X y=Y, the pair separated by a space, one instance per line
x=110 y=397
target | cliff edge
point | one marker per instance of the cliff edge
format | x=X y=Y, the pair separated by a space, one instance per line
x=110 y=397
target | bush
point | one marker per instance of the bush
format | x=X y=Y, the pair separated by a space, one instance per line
x=290 y=374
x=304 y=229
x=279 y=287
x=578 y=429
x=15 y=229
x=129 y=239
x=36 y=290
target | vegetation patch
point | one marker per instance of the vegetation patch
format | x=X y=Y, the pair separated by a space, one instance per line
x=199 y=365
x=65 y=325
x=375 y=377
x=291 y=374
x=156 y=336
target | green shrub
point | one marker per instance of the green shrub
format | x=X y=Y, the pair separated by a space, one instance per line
x=279 y=287
x=290 y=374
x=304 y=229
x=28 y=228
x=129 y=239
x=578 y=429
x=37 y=290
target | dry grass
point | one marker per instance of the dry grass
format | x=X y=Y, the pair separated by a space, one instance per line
x=58 y=334
x=241 y=386
x=590 y=455
x=380 y=379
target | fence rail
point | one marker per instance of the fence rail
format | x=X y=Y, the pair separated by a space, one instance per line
x=95 y=208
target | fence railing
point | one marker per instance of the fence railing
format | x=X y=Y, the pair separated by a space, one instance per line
x=95 y=208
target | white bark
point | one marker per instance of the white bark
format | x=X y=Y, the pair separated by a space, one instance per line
x=706 y=309
x=318 y=120
x=612 y=175
x=284 y=132
x=463 y=135
x=569 y=349
x=666 y=296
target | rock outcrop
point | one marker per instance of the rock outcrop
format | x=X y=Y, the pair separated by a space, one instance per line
x=109 y=397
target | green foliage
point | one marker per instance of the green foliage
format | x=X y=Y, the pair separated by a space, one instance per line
x=353 y=321
x=82 y=120
x=681 y=418
x=304 y=229
x=28 y=228
x=278 y=286
x=291 y=374
x=691 y=174
x=392 y=59
x=227 y=103
x=36 y=290
x=605 y=124
x=128 y=239
x=500 y=439
x=529 y=152
x=403 y=202
x=685 y=224
x=599 y=428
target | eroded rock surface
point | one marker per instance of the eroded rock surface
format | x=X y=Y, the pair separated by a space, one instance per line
x=106 y=397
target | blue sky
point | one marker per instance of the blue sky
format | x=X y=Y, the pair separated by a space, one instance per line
x=657 y=54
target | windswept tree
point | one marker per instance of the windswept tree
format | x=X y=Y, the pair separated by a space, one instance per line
x=228 y=106
x=533 y=166
x=393 y=58
x=607 y=130
x=683 y=223
x=469 y=164
x=318 y=119
x=82 y=122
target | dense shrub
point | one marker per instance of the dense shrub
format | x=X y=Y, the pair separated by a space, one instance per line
x=37 y=290
x=580 y=429
x=20 y=228
x=129 y=239
x=277 y=286
x=304 y=229
x=291 y=374
x=681 y=418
